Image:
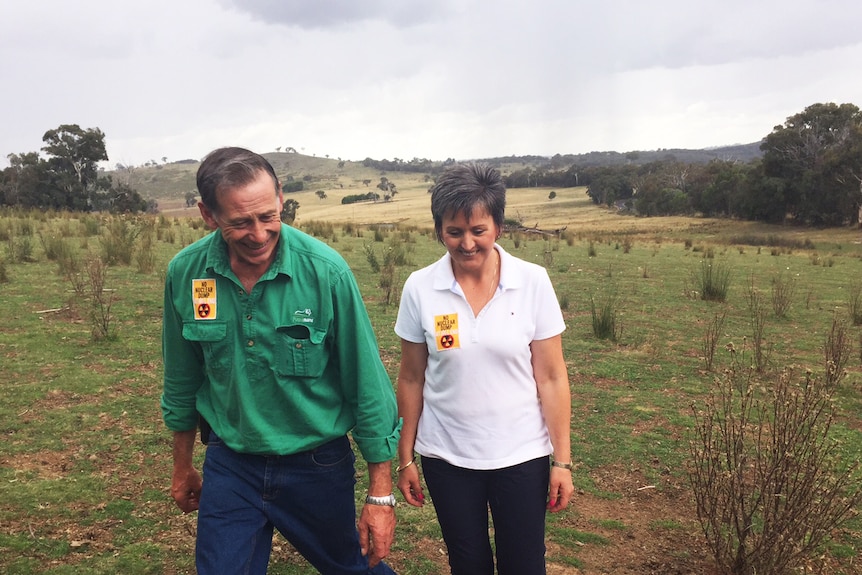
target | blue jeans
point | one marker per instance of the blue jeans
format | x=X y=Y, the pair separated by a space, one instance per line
x=308 y=497
x=517 y=497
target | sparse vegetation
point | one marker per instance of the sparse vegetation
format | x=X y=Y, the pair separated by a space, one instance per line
x=604 y=317
x=766 y=474
x=86 y=458
x=712 y=280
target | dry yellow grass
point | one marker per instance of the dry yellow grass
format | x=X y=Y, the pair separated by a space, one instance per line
x=570 y=209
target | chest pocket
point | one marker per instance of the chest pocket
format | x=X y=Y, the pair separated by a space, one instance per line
x=212 y=337
x=301 y=351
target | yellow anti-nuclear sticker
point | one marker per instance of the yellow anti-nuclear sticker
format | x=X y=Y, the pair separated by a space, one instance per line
x=204 y=298
x=446 y=331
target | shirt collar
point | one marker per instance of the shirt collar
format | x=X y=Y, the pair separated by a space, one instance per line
x=218 y=261
x=444 y=277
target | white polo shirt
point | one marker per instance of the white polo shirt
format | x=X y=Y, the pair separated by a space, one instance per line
x=481 y=406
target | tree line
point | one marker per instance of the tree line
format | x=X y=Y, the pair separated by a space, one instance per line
x=810 y=172
x=68 y=177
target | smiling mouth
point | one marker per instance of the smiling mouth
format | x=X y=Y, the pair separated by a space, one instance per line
x=257 y=248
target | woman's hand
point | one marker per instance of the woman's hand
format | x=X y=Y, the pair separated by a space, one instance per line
x=410 y=486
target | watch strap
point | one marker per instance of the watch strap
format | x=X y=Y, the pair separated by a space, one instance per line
x=388 y=500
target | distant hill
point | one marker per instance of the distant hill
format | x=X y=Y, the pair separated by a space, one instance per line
x=170 y=182
x=737 y=152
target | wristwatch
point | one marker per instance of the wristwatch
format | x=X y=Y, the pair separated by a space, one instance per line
x=389 y=500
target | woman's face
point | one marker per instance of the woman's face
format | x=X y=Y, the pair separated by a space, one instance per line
x=469 y=242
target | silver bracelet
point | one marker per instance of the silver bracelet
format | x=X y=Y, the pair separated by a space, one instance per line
x=568 y=466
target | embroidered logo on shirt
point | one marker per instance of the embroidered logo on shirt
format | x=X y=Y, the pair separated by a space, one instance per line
x=204 y=298
x=303 y=315
x=446 y=331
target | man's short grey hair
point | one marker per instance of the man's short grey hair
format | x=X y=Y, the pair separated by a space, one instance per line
x=228 y=168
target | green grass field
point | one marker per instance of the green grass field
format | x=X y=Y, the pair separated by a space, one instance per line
x=85 y=459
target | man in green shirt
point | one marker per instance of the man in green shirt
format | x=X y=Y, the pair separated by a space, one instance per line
x=266 y=340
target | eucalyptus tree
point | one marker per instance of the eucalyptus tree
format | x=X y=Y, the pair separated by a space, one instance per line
x=815 y=154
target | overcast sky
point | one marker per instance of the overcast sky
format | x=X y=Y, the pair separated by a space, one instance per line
x=465 y=79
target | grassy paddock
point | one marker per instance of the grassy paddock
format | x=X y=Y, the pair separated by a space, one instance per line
x=85 y=460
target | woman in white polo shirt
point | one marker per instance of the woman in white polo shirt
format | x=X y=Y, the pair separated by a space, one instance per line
x=482 y=387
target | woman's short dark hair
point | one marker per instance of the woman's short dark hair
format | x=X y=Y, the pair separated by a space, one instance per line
x=228 y=168
x=462 y=188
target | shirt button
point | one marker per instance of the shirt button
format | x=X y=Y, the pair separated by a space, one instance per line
x=248 y=317
x=250 y=342
x=299 y=346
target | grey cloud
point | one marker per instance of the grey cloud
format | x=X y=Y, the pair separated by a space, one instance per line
x=335 y=13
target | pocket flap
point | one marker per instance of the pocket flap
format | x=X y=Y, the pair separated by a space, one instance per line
x=211 y=330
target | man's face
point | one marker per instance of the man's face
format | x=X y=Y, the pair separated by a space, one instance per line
x=249 y=218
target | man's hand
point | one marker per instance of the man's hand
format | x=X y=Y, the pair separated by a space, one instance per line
x=376 y=532
x=185 y=481
x=560 y=490
x=186 y=488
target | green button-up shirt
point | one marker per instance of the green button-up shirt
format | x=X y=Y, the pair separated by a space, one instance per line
x=282 y=369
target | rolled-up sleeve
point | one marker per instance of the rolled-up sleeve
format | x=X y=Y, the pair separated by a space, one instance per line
x=183 y=368
x=364 y=381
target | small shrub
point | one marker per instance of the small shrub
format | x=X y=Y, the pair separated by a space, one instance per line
x=100 y=298
x=91 y=226
x=591 y=249
x=20 y=249
x=6 y=230
x=118 y=242
x=398 y=252
x=783 y=289
x=145 y=256
x=712 y=281
x=4 y=275
x=836 y=352
x=388 y=281
x=768 y=485
x=711 y=337
x=627 y=245
x=56 y=248
x=371 y=257
x=758 y=323
x=854 y=302
x=67 y=263
x=516 y=240
x=605 y=318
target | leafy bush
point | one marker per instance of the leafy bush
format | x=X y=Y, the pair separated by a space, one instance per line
x=118 y=241
x=353 y=198
x=371 y=257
